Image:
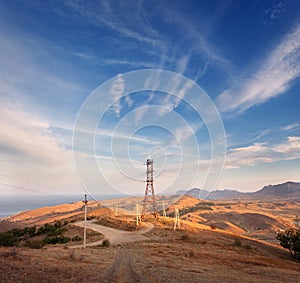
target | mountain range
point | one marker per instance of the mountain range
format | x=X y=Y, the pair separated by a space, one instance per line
x=284 y=190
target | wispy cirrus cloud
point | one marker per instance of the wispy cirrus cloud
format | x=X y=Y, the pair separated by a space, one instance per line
x=30 y=152
x=275 y=76
x=140 y=31
x=27 y=139
x=29 y=77
x=257 y=153
x=291 y=127
x=274 y=12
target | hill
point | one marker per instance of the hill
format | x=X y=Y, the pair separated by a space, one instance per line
x=194 y=253
x=218 y=240
x=195 y=192
x=288 y=189
x=284 y=190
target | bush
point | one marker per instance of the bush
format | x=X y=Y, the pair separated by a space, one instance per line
x=247 y=247
x=213 y=226
x=34 y=244
x=56 y=240
x=185 y=237
x=290 y=239
x=51 y=230
x=105 y=243
x=8 y=239
x=76 y=238
x=237 y=243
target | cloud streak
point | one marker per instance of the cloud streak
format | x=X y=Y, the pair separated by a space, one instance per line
x=263 y=153
x=27 y=139
x=274 y=77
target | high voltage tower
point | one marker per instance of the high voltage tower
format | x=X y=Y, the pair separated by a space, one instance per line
x=149 y=203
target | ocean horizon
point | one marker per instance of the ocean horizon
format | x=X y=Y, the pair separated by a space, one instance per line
x=13 y=204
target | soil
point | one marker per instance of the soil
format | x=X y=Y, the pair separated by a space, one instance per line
x=222 y=244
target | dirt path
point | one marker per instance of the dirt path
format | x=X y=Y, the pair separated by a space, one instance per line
x=122 y=269
x=116 y=236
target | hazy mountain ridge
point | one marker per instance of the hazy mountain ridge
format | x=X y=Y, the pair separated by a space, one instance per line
x=288 y=189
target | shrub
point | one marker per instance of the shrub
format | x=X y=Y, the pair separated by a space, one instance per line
x=213 y=226
x=8 y=239
x=290 y=239
x=34 y=244
x=51 y=230
x=237 y=243
x=247 y=247
x=56 y=240
x=105 y=243
x=185 y=237
x=76 y=238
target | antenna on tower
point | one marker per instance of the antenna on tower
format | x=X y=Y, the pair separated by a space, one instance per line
x=85 y=201
x=149 y=203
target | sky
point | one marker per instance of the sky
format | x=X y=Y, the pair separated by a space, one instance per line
x=214 y=102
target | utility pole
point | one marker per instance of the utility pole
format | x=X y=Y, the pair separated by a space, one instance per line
x=117 y=210
x=164 y=211
x=85 y=201
x=176 y=218
x=138 y=214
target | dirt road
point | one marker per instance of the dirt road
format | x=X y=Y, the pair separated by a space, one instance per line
x=116 y=236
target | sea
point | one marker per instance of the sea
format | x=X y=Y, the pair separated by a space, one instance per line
x=13 y=204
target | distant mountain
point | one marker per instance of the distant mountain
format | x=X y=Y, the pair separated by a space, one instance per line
x=288 y=189
x=195 y=192
x=285 y=190
x=226 y=194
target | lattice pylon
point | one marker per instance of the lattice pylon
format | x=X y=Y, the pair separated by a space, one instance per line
x=149 y=203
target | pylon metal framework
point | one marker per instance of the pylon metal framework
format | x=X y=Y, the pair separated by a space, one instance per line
x=149 y=203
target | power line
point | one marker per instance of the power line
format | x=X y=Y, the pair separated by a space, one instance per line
x=35 y=190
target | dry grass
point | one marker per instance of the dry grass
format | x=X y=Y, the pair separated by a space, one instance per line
x=180 y=256
x=197 y=253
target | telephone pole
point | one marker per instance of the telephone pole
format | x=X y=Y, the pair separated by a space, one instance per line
x=138 y=214
x=176 y=218
x=164 y=211
x=85 y=201
x=117 y=209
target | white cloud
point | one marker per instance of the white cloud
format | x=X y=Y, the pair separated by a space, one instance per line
x=263 y=153
x=273 y=78
x=275 y=12
x=117 y=90
x=291 y=148
x=291 y=127
x=119 y=24
x=27 y=139
x=182 y=64
x=30 y=153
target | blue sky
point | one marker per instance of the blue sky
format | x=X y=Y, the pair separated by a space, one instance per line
x=54 y=54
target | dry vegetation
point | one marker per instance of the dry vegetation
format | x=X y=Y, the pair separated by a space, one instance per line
x=225 y=242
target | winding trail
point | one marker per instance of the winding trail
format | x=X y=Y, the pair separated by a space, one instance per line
x=116 y=236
